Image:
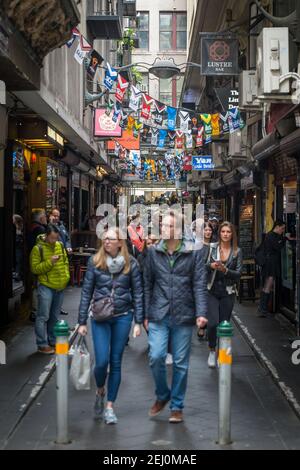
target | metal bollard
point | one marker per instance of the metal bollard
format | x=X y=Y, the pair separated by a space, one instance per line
x=225 y=333
x=61 y=331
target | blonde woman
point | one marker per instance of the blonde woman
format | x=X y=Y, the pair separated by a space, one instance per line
x=112 y=268
x=224 y=264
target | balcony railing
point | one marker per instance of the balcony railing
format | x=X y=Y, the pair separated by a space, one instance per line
x=105 y=23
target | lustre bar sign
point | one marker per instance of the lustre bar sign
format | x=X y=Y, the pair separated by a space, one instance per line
x=219 y=56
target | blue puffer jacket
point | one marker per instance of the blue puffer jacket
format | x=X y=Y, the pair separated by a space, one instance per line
x=175 y=286
x=128 y=294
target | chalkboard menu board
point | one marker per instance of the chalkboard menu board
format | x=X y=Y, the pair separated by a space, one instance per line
x=246 y=230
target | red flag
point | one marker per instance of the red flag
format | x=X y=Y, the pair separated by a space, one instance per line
x=146 y=106
x=121 y=88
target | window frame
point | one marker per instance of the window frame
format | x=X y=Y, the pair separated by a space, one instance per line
x=138 y=30
x=173 y=31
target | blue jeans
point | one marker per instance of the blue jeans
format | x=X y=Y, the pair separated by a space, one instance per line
x=180 y=340
x=110 y=338
x=49 y=306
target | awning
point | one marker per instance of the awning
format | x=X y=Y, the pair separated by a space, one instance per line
x=272 y=145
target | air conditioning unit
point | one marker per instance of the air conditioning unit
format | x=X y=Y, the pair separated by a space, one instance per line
x=238 y=145
x=248 y=91
x=272 y=63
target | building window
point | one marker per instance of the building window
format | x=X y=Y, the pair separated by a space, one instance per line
x=166 y=91
x=143 y=30
x=172 y=31
x=170 y=90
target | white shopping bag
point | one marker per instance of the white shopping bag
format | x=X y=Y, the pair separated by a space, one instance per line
x=80 y=372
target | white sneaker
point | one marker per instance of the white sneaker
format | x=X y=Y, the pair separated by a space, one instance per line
x=169 y=359
x=212 y=360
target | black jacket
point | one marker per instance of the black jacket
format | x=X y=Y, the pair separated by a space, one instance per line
x=128 y=294
x=234 y=265
x=178 y=290
x=36 y=229
x=273 y=245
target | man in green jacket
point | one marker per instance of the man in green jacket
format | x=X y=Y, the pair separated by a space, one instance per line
x=49 y=262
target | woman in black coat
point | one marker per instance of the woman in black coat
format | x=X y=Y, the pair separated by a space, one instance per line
x=272 y=246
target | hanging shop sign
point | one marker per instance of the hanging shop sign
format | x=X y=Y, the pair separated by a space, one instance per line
x=202 y=162
x=219 y=55
x=228 y=98
x=18 y=165
x=105 y=126
x=128 y=141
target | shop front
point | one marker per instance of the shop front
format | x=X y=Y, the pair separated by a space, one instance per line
x=286 y=199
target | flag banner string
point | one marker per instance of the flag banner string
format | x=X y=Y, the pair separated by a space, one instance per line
x=178 y=132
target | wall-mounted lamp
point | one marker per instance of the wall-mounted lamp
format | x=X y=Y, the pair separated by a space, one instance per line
x=38 y=177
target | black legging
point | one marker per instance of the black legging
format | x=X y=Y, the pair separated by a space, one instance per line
x=219 y=309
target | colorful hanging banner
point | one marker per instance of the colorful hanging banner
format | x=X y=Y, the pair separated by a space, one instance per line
x=215 y=124
x=184 y=119
x=161 y=138
x=85 y=45
x=116 y=113
x=172 y=114
x=206 y=118
x=110 y=77
x=154 y=136
x=199 y=138
x=146 y=106
x=95 y=60
x=189 y=143
x=75 y=34
x=135 y=97
x=122 y=86
x=79 y=54
x=171 y=135
x=179 y=140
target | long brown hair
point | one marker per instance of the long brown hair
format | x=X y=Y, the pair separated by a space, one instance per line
x=234 y=242
x=100 y=258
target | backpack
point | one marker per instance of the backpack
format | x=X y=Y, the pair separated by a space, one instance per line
x=260 y=254
x=42 y=253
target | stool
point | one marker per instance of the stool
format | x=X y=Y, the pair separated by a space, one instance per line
x=81 y=273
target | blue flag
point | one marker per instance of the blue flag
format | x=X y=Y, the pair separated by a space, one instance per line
x=172 y=113
x=161 y=138
x=110 y=77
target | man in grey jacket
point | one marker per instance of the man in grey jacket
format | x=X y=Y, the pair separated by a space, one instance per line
x=175 y=292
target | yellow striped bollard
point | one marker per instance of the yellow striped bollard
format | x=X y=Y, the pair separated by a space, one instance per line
x=61 y=332
x=225 y=333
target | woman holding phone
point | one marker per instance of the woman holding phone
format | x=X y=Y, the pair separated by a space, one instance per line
x=224 y=266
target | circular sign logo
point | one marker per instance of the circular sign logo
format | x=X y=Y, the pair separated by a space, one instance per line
x=219 y=51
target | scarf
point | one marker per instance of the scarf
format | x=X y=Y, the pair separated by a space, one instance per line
x=115 y=265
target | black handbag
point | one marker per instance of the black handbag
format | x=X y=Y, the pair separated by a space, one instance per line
x=103 y=308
